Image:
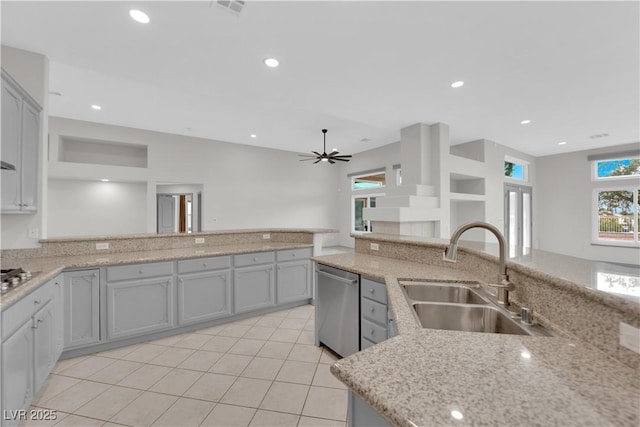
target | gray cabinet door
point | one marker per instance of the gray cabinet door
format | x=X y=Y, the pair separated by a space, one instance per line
x=82 y=308
x=44 y=328
x=17 y=369
x=204 y=296
x=58 y=290
x=293 y=281
x=10 y=152
x=20 y=141
x=139 y=307
x=30 y=143
x=253 y=288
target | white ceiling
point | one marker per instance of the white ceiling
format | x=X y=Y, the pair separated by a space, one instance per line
x=360 y=69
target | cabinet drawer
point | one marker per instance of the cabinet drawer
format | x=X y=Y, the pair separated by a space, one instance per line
x=253 y=259
x=203 y=264
x=373 y=332
x=373 y=311
x=21 y=311
x=373 y=290
x=293 y=254
x=139 y=271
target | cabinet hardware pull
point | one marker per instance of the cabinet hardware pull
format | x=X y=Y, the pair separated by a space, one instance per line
x=372 y=309
x=372 y=332
x=255 y=259
x=141 y=272
x=36 y=301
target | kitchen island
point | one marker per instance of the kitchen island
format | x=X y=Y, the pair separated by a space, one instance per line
x=438 y=377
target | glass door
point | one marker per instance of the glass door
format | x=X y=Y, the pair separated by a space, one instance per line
x=518 y=218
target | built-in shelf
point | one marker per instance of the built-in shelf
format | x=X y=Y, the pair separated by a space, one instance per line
x=465 y=184
x=107 y=153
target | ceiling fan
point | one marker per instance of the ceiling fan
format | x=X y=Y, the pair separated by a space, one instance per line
x=324 y=157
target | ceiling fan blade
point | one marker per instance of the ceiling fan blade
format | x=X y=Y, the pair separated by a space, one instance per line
x=334 y=152
x=316 y=161
x=307 y=155
x=330 y=161
x=346 y=156
x=305 y=160
x=316 y=153
x=340 y=160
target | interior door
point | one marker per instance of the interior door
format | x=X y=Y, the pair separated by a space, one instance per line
x=166 y=213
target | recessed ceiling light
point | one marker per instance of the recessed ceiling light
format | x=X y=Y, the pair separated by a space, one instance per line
x=139 y=16
x=253 y=135
x=104 y=180
x=525 y=122
x=271 y=62
x=562 y=143
x=96 y=107
x=459 y=83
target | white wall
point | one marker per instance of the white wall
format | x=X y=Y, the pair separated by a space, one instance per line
x=563 y=207
x=89 y=208
x=31 y=71
x=243 y=186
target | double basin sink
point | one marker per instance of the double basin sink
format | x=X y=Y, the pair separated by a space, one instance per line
x=462 y=307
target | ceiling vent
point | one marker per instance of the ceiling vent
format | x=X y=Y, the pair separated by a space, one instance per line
x=233 y=6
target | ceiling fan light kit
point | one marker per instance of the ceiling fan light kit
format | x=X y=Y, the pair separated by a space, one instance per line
x=324 y=157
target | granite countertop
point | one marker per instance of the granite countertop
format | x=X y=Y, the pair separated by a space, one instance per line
x=422 y=376
x=49 y=267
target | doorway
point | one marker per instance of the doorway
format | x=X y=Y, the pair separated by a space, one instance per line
x=175 y=213
x=518 y=222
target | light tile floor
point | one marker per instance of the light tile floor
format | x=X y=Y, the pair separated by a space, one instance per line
x=261 y=371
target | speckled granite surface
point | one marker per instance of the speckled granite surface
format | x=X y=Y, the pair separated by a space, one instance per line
x=422 y=375
x=49 y=267
x=418 y=379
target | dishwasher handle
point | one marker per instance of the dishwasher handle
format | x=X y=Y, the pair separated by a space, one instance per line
x=338 y=278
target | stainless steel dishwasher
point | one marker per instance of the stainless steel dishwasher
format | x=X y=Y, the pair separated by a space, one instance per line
x=338 y=310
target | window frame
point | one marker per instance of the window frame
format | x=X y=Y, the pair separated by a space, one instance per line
x=525 y=169
x=595 y=216
x=594 y=170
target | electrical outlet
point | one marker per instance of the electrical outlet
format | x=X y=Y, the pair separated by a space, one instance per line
x=266 y=236
x=199 y=240
x=102 y=246
x=630 y=337
x=375 y=247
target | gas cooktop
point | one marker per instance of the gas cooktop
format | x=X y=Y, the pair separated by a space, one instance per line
x=12 y=278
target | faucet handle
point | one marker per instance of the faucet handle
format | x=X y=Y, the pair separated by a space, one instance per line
x=504 y=284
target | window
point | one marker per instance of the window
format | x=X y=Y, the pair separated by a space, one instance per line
x=369 y=181
x=359 y=203
x=617 y=169
x=617 y=216
x=366 y=186
x=616 y=206
x=516 y=169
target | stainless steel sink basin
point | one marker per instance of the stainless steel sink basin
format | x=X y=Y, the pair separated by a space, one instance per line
x=443 y=292
x=466 y=318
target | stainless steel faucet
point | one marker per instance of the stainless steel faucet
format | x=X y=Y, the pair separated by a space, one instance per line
x=503 y=285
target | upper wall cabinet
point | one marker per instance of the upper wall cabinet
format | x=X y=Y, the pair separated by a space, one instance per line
x=20 y=141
